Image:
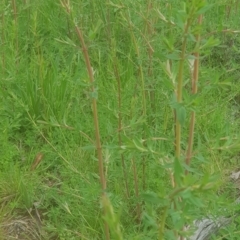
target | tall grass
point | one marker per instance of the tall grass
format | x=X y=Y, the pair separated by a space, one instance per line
x=113 y=92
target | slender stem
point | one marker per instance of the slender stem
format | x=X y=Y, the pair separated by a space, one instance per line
x=108 y=18
x=144 y=111
x=95 y=116
x=66 y=6
x=136 y=190
x=179 y=97
x=14 y=10
x=16 y=27
x=3 y=43
x=162 y=224
x=149 y=34
x=94 y=102
x=236 y=6
x=194 y=91
x=229 y=9
x=116 y=72
x=179 y=88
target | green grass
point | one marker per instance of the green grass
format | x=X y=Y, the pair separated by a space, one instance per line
x=46 y=107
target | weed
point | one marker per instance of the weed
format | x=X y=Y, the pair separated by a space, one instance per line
x=141 y=96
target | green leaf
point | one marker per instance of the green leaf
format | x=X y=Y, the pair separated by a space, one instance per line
x=205 y=8
x=139 y=145
x=180 y=110
x=181 y=115
x=153 y=198
x=173 y=56
x=209 y=43
x=181 y=17
x=178 y=171
x=168 y=44
x=191 y=170
x=94 y=94
x=186 y=194
x=93 y=32
x=88 y=147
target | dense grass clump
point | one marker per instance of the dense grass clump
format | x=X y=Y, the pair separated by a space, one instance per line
x=119 y=119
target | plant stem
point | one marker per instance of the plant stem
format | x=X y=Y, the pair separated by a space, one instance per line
x=162 y=224
x=108 y=18
x=144 y=111
x=96 y=123
x=3 y=43
x=194 y=91
x=149 y=34
x=116 y=72
x=16 y=27
x=136 y=190
x=179 y=97
x=179 y=88
x=66 y=5
x=229 y=9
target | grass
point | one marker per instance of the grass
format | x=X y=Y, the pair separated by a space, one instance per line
x=76 y=74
